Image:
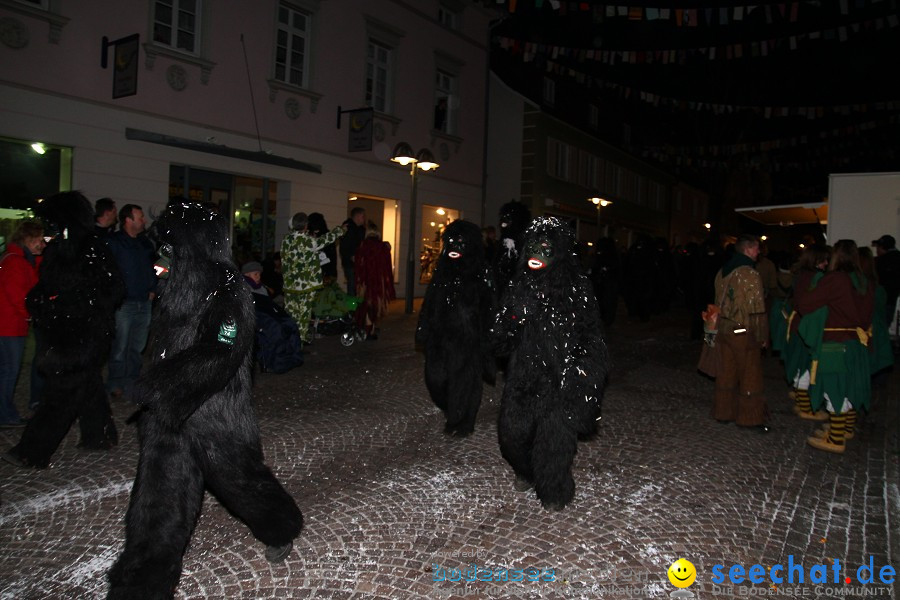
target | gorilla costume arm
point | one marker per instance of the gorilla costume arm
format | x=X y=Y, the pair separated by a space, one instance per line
x=213 y=351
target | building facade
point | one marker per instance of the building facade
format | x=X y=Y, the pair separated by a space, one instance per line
x=240 y=104
x=555 y=167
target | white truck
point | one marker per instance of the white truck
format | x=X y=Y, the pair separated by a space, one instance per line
x=863 y=207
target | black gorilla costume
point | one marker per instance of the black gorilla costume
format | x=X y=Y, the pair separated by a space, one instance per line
x=73 y=310
x=454 y=326
x=197 y=426
x=549 y=324
x=514 y=220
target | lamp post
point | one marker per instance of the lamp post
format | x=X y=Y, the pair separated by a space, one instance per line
x=424 y=160
x=599 y=202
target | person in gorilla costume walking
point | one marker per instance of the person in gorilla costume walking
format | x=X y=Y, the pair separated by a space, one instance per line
x=549 y=325
x=197 y=426
x=454 y=326
x=73 y=309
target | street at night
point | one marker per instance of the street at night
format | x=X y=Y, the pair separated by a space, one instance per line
x=395 y=509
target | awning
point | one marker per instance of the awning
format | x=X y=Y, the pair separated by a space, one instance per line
x=788 y=214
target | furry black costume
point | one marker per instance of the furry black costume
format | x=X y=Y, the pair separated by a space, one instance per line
x=514 y=220
x=549 y=325
x=454 y=325
x=73 y=309
x=197 y=427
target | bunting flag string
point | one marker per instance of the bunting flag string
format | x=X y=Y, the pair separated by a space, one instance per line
x=717 y=108
x=735 y=51
x=693 y=16
x=819 y=144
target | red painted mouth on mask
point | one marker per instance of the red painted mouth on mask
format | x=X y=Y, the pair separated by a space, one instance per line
x=535 y=264
x=454 y=254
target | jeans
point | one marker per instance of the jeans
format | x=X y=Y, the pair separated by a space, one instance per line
x=37 y=380
x=132 y=327
x=351 y=280
x=12 y=348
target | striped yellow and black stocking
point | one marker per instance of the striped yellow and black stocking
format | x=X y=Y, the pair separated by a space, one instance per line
x=836 y=428
x=801 y=400
x=850 y=423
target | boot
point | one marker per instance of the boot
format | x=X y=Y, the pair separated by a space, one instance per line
x=834 y=440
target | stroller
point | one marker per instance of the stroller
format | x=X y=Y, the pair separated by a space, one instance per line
x=333 y=314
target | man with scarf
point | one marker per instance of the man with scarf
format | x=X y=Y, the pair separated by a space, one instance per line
x=742 y=332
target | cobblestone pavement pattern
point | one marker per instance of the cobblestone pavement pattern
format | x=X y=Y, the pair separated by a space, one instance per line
x=391 y=504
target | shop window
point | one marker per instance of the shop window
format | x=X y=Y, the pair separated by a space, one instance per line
x=434 y=220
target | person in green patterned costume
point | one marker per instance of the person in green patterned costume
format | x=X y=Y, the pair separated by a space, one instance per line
x=301 y=266
x=837 y=327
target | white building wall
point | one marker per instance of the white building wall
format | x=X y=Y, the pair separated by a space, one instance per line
x=58 y=94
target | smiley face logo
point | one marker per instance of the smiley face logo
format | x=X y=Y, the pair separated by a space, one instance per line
x=682 y=573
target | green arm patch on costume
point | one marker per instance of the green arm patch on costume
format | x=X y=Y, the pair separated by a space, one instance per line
x=227 y=332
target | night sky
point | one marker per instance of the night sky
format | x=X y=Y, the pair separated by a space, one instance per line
x=781 y=93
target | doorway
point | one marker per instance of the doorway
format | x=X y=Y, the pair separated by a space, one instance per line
x=382 y=214
x=251 y=218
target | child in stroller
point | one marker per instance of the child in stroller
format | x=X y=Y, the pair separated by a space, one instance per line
x=333 y=311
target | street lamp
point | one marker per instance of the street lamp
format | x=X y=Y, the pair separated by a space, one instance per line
x=599 y=202
x=424 y=160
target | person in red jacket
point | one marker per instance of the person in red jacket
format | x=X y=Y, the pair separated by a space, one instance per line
x=18 y=274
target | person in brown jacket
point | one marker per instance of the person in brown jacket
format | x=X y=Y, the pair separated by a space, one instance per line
x=743 y=330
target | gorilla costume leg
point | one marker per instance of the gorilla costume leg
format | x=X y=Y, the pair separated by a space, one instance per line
x=553 y=451
x=464 y=400
x=243 y=484
x=516 y=429
x=165 y=503
x=98 y=431
x=64 y=399
x=436 y=381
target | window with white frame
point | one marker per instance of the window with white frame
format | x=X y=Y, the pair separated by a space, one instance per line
x=378 y=76
x=448 y=17
x=176 y=23
x=445 y=102
x=292 y=46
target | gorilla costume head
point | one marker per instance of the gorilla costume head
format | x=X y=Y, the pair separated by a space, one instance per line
x=180 y=226
x=67 y=215
x=462 y=253
x=514 y=219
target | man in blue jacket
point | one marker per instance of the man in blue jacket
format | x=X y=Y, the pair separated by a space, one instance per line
x=135 y=254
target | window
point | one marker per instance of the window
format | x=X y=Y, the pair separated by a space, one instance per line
x=292 y=46
x=378 y=75
x=594 y=116
x=612 y=179
x=176 y=23
x=448 y=17
x=558 y=156
x=445 y=102
x=549 y=91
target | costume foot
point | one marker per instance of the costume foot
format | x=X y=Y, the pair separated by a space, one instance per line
x=459 y=431
x=14 y=459
x=276 y=554
x=522 y=484
x=816 y=416
x=553 y=506
x=821 y=433
x=824 y=444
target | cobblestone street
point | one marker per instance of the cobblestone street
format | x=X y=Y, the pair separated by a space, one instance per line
x=391 y=504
